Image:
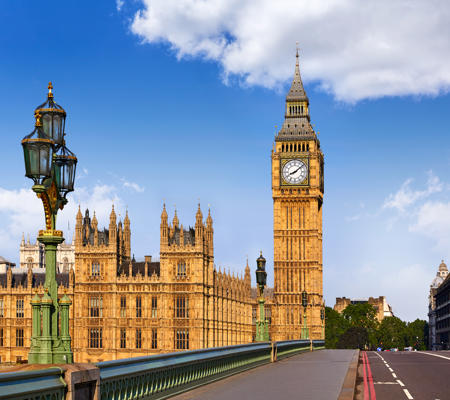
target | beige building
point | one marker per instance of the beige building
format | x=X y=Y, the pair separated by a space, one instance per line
x=124 y=308
x=297 y=191
x=440 y=277
x=382 y=308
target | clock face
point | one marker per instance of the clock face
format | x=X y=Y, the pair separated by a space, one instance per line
x=294 y=172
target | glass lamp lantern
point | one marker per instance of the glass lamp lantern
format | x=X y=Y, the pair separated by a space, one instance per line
x=38 y=154
x=261 y=274
x=304 y=299
x=322 y=314
x=64 y=166
x=53 y=118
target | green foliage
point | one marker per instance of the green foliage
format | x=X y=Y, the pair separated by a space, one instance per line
x=392 y=333
x=335 y=326
x=358 y=327
x=355 y=337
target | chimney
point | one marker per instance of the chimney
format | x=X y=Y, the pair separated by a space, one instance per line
x=148 y=259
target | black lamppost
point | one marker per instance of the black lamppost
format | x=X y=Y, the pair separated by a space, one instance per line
x=262 y=328
x=305 y=333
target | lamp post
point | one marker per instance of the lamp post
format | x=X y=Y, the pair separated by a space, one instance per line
x=262 y=326
x=322 y=318
x=51 y=166
x=305 y=332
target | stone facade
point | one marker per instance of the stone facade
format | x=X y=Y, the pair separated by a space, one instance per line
x=297 y=191
x=124 y=308
x=441 y=275
x=380 y=304
x=32 y=254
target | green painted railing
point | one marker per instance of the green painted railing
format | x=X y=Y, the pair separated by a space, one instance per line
x=162 y=376
x=44 y=384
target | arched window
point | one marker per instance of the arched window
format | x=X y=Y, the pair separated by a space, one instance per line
x=181 y=268
x=290 y=110
x=282 y=147
x=290 y=147
x=30 y=262
x=307 y=147
x=95 y=268
x=65 y=264
x=302 y=109
x=295 y=147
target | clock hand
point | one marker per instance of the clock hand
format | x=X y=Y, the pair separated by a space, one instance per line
x=292 y=173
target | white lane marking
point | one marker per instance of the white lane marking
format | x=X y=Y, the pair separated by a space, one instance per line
x=435 y=355
x=400 y=382
x=395 y=376
x=408 y=395
x=385 y=383
x=390 y=369
x=387 y=365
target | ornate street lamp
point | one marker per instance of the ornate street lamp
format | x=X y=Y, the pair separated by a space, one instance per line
x=262 y=326
x=322 y=318
x=305 y=332
x=51 y=166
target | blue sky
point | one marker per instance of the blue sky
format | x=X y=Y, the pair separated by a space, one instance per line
x=169 y=101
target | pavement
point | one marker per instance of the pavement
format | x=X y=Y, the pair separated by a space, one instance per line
x=318 y=375
x=404 y=375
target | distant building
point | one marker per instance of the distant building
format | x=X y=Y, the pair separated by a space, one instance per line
x=33 y=255
x=441 y=275
x=440 y=297
x=380 y=304
x=5 y=265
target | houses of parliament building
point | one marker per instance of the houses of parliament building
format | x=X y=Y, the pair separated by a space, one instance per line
x=124 y=308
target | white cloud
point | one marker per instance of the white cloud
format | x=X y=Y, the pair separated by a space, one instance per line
x=22 y=212
x=132 y=185
x=119 y=4
x=406 y=196
x=353 y=49
x=433 y=221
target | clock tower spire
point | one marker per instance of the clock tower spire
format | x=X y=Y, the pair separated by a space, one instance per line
x=297 y=191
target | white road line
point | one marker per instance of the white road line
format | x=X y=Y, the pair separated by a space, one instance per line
x=395 y=376
x=435 y=355
x=387 y=365
x=385 y=383
x=390 y=369
x=400 y=382
x=408 y=395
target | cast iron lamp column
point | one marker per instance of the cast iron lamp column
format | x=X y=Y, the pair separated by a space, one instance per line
x=262 y=326
x=305 y=331
x=52 y=167
x=322 y=318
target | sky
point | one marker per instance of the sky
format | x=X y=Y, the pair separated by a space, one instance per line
x=177 y=101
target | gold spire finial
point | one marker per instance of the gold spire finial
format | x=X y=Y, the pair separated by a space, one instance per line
x=260 y=253
x=50 y=87
x=296 y=52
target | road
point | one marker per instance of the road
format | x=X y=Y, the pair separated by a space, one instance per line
x=315 y=376
x=404 y=375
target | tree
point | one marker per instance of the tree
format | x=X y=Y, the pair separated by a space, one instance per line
x=392 y=333
x=355 y=337
x=417 y=334
x=363 y=315
x=335 y=326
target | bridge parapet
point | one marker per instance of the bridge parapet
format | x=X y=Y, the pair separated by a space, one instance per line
x=151 y=377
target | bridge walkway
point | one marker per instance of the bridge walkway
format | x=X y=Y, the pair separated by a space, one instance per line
x=318 y=375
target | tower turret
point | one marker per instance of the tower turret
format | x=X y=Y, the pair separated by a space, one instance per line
x=79 y=228
x=199 y=227
x=112 y=228
x=164 y=228
x=127 y=236
x=175 y=221
x=94 y=225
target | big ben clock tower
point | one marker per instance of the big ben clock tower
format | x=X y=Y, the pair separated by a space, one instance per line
x=297 y=191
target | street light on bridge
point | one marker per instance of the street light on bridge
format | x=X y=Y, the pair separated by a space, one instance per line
x=262 y=326
x=51 y=166
x=305 y=332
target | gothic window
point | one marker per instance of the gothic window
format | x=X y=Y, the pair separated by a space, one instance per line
x=1 y=337
x=2 y=307
x=301 y=109
x=181 y=307
x=95 y=338
x=138 y=338
x=307 y=147
x=30 y=262
x=123 y=307
x=95 y=306
x=181 y=268
x=19 y=337
x=19 y=308
x=95 y=268
x=295 y=147
x=154 y=338
x=65 y=264
x=182 y=339
x=138 y=307
x=282 y=147
x=154 y=307
x=123 y=338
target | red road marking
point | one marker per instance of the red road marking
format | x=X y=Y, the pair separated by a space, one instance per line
x=372 y=388
x=366 y=386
